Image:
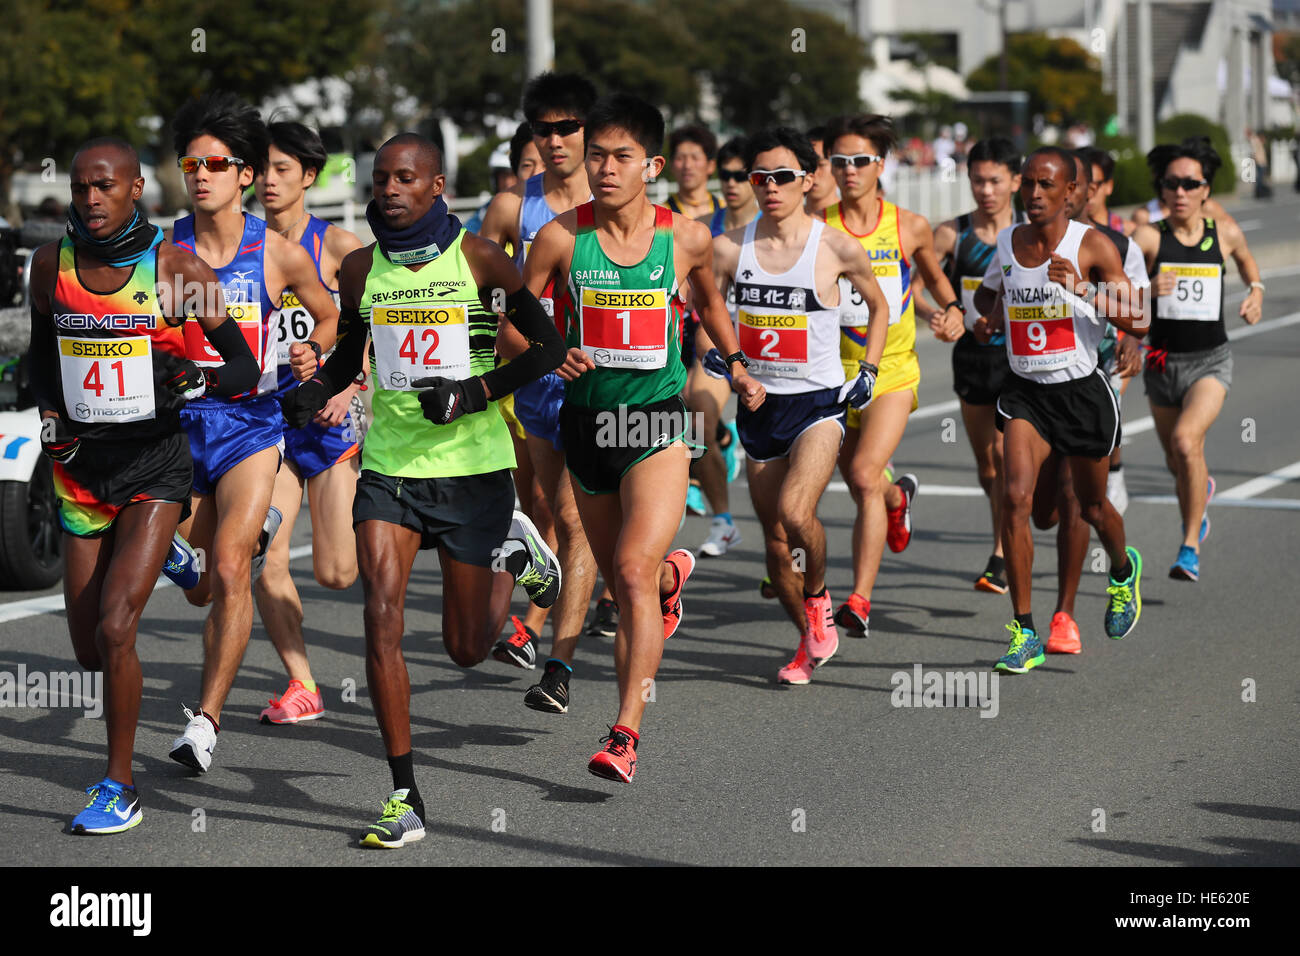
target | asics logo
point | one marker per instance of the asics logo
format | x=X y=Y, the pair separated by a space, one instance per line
x=659 y=270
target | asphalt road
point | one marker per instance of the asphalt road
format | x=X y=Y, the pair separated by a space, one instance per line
x=1150 y=736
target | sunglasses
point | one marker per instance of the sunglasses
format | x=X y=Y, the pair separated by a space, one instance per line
x=782 y=177
x=841 y=161
x=560 y=127
x=216 y=164
x=732 y=175
x=1186 y=182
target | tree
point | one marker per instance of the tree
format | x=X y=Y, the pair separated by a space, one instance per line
x=1063 y=81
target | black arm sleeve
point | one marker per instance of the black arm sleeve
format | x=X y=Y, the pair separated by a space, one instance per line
x=42 y=364
x=545 y=351
x=349 y=352
x=240 y=371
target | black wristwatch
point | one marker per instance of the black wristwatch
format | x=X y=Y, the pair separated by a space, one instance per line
x=737 y=357
x=315 y=347
x=865 y=366
x=957 y=303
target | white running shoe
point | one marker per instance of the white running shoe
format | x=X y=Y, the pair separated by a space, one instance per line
x=1116 y=490
x=269 y=528
x=194 y=747
x=722 y=535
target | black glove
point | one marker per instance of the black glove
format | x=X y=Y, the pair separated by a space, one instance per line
x=57 y=442
x=445 y=399
x=188 y=383
x=301 y=404
x=858 y=391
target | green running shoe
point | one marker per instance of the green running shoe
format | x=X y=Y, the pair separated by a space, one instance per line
x=398 y=824
x=1125 y=600
x=1025 y=652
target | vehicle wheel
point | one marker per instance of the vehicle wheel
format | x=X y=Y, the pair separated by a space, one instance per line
x=31 y=542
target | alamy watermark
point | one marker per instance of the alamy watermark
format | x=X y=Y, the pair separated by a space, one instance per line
x=635 y=427
x=45 y=689
x=922 y=688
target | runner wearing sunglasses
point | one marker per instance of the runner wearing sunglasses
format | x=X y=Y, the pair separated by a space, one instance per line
x=107 y=368
x=322 y=455
x=1050 y=288
x=706 y=395
x=623 y=420
x=556 y=106
x=1189 y=366
x=785 y=268
x=236 y=441
x=436 y=462
x=895 y=239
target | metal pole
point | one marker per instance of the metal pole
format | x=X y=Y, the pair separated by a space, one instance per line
x=1002 y=57
x=541 y=38
x=1121 y=69
x=1146 y=131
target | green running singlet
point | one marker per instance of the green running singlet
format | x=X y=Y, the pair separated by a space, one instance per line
x=422 y=323
x=627 y=318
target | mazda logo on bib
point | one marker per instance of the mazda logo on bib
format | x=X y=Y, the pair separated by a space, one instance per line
x=82 y=410
x=601 y=357
x=397 y=380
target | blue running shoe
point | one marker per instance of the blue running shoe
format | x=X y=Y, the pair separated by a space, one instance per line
x=1125 y=599
x=113 y=808
x=182 y=564
x=1025 y=652
x=735 y=460
x=1205 y=515
x=1188 y=565
x=695 y=501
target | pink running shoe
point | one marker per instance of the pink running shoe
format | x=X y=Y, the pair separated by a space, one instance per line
x=298 y=703
x=821 y=638
x=684 y=562
x=798 y=671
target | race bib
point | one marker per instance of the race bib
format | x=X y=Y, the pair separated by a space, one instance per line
x=107 y=380
x=625 y=328
x=249 y=317
x=774 y=344
x=853 y=308
x=1041 y=336
x=969 y=286
x=293 y=323
x=412 y=342
x=1197 y=293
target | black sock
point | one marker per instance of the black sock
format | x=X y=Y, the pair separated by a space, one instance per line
x=1026 y=622
x=1116 y=466
x=1123 y=573
x=404 y=779
x=997 y=565
x=820 y=593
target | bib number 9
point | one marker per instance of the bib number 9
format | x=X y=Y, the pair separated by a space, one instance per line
x=1036 y=335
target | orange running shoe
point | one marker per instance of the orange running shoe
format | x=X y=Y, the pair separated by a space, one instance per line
x=618 y=760
x=853 y=615
x=684 y=563
x=1064 y=636
x=298 y=703
x=899 y=532
x=798 y=671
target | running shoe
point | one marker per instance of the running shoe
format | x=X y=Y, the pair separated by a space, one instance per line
x=195 y=745
x=1125 y=599
x=1063 y=638
x=1188 y=565
x=113 y=808
x=182 y=564
x=854 y=614
x=1116 y=490
x=733 y=454
x=540 y=570
x=520 y=648
x=684 y=562
x=604 y=622
x=298 y=703
x=550 y=694
x=722 y=535
x=899 y=532
x=1025 y=652
x=695 y=500
x=269 y=527
x=617 y=761
x=820 y=637
x=799 y=671
x=398 y=824
x=765 y=589
x=991 y=580
x=1205 y=515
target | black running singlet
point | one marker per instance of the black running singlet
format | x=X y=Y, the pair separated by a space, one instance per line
x=1190 y=319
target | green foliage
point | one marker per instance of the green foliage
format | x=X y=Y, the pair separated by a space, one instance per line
x=473 y=175
x=1180 y=127
x=1132 y=181
x=1063 y=81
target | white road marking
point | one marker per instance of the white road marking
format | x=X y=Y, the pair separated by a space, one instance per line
x=1257 y=486
x=30 y=607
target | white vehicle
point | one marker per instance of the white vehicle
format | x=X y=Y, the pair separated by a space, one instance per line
x=31 y=543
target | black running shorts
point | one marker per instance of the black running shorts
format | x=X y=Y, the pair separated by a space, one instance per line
x=1079 y=418
x=979 y=372
x=601 y=445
